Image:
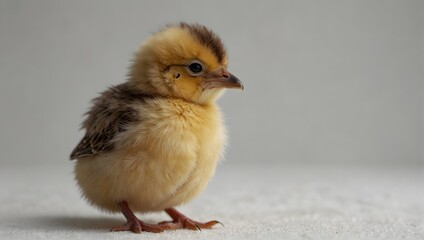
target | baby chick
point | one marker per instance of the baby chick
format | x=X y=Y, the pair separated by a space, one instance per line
x=153 y=142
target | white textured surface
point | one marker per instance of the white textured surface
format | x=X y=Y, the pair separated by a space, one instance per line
x=253 y=201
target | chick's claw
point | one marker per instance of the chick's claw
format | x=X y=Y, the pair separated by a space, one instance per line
x=194 y=225
x=138 y=226
x=133 y=226
x=189 y=224
x=183 y=222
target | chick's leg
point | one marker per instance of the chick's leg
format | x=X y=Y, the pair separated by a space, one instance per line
x=181 y=221
x=136 y=225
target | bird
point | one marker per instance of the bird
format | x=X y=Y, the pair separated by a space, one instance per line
x=152 y=142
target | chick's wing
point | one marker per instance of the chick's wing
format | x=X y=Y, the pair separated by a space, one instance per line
x=112 y=111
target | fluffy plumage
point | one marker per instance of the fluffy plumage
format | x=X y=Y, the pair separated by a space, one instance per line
x=153 y=142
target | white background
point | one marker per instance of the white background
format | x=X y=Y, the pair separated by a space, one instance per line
x=326 y=81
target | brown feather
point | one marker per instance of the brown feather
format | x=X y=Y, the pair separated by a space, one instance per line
x=207 y=38
x=112 y=111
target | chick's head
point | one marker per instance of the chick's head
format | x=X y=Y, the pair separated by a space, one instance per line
x=186 y=61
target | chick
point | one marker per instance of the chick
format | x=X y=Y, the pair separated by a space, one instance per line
x=153 y=142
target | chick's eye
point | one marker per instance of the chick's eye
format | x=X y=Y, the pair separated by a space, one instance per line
x=195 y=67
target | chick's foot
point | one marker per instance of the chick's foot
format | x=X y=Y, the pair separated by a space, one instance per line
x=136 y=225
x=180 y=221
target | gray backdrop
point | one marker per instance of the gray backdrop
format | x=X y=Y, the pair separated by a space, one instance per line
x=326 y=81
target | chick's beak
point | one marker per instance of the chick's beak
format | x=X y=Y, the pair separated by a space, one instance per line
x=221 y=78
